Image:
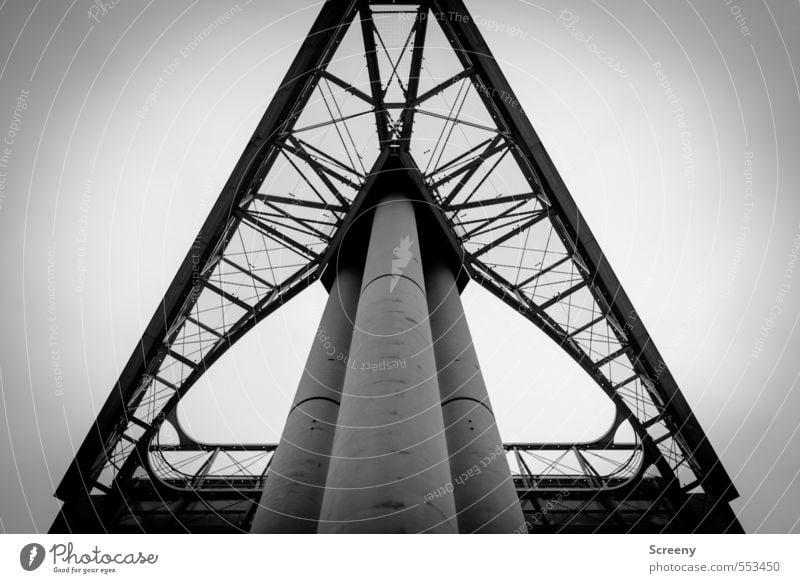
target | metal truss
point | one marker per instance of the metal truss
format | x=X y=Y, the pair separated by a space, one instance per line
x=216 y=488
x=200 y=468
x=418 y=82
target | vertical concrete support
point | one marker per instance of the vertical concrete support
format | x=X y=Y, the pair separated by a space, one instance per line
x=485 y=496
x=295 y=484
x=389 y=470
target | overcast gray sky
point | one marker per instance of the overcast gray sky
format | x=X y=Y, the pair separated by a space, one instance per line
x=680 y=146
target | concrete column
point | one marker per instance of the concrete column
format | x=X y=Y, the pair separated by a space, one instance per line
x=296 y=480
x=485 y=496
x=389 y=470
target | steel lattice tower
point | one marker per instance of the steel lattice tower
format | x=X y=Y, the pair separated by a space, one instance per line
x=395 y=165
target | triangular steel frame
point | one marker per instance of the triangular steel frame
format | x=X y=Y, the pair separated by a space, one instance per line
x=670 y=444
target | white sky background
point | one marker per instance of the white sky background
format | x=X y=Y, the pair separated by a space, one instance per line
x=105 y=195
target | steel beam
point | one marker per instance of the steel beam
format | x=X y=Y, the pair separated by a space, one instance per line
x=294 y=91
x=472 y=50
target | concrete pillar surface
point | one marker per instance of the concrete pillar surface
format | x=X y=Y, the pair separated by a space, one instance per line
x=295 y=484
x=485 y=496
x=389 y=452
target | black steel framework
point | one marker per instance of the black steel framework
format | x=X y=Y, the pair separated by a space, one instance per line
x=413 y=82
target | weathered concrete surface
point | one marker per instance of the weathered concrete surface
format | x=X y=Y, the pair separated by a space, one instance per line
x=485 y=497
x=389 y=451
x=295 y=484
